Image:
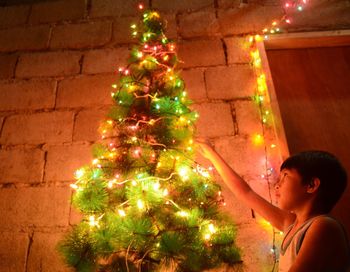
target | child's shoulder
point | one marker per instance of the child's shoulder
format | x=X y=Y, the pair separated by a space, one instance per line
x=327 y=238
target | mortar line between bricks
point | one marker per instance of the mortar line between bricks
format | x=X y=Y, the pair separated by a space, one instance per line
x=2 y=125
x=29 y=14
x=55 y=95
x=50 y=37
x=73 y=126
x=88 y=9
x=205 y=84
x=225 y=50
x=30 y=242
x=234 y=119
x=81 y=60
x=44 y=167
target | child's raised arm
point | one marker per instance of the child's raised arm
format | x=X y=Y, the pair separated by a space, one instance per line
x=280 y=219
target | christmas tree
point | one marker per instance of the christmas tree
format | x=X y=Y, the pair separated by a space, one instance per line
x=146 y=203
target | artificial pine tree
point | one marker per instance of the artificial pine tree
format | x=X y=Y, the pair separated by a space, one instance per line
x=146 y=203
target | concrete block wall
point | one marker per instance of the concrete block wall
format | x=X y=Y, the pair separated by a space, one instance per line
x=57 y=63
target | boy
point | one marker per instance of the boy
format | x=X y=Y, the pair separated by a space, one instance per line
x=310 y=184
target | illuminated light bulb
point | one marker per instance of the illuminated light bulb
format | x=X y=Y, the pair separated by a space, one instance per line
x=156 y=186
x=287 y=5
x=110 y=184
x=114 y=86
x=157 y=107
x=251 y=39
x=258 y=38
x=272 y=250
x=277 y=29
x=126 y=72
x=122 y=213
x=145 y=46
x=300 y=8
x=210 y=168
x=140 y=6
x=139 y=54
x=140 y=204
x=134 y=183
x=164 y=40
x=171 y=77
x=262 y=176
x=183 y=213
x=212 y=228
x=155 y=48
x=95 y=161
x=112 y=94
x=281 y=233
x=190 y=141
x=265 y=30
x=134 y=33
x=134 y=139
x=79 y=173
x=207 y=236
x=274 y=23
x=172 y=47
x=258 y=139
x=273 y=145
x=120 y=69
x=168 y=70
x=167 y=202
x=266 y=37
x=183 y=171
x=133 y=26
x=74 y=186
x=92 y=221
x=166 y=57
x=272 y=31
x=288 y=21
x=264 y=120
x=219 y=193
x=165 y=192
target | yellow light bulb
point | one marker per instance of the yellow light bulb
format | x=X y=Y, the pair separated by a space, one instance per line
x=258 y=139
x=140 y=204
x=183 y=213
x=207 y=236
x=74 y=186
x=79 y=173
x=122 y=213
x=212 y=228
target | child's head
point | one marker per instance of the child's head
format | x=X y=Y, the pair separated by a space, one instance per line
x=324 y=166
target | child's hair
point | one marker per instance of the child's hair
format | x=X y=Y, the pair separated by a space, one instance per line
x=324 y=166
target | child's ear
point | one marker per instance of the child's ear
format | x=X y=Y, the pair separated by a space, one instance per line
x=314 y=185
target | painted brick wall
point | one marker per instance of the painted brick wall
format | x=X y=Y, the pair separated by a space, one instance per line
x=57 y=60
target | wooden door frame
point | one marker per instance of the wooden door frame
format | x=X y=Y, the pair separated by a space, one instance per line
x=294 y=41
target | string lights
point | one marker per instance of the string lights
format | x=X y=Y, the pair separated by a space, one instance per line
x=290 y=7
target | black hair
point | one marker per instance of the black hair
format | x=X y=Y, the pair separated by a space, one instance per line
x=324 y=166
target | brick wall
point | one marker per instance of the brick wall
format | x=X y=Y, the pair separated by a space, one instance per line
x=57 y=60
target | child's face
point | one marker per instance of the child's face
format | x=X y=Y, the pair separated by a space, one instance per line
x=290 y=192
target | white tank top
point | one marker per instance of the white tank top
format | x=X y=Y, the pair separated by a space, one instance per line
x=290 y=248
